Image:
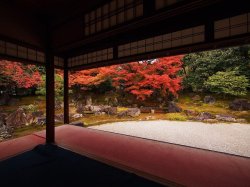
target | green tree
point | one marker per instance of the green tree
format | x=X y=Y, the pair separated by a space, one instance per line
x=198 y=67
x=228 y=83
x=41 y=89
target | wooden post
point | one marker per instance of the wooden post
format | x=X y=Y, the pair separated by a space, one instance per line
x=50 y=95
x=66 y=92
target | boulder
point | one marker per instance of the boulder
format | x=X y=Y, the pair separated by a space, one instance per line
x=209 y=99
x=87 y=108
x=58 y=105
x=145 y=109
x=17 y=118
x=114 y=102
x=239 y=105
x=173 y=108
x=191 y=113
x=5 y=132
x=97 y=109
x=77 y=123
x=2 y=119
x=37 y=113
x=30 y=119
x=196 y=98
x=59 y=117
x=80 y=108
x=225 y=117
x=76 y=116
x=131 y=112
x=110 y=110
x=204 y=116
x=41 y=121
x=88 y=100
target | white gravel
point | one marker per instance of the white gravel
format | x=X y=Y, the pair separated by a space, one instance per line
x=228 y=138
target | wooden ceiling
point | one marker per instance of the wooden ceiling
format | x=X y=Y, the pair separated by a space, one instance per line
x=53 y=11
x=32 y=23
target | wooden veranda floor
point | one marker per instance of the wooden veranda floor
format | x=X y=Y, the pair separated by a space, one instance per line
x=162 y=162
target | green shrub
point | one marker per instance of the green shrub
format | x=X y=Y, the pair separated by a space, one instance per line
x=176 y=117
x=228 y=83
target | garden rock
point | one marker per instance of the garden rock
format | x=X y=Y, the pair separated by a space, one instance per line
x=77 y=123
x=191 y=113
x=196 y=98
x=76 y=116
x=204 y=116
x=173 y=108
x=86 y=108
x=131 y=112
x=97 y=109
x=30 y=119
x=225 y=117
x=80 y=108
x=37 y=113
x=41 y=121
x=209 y=99
x=2 y=119
x=58 y=105
x=115 y=102
x=17 y=118
x=134 y=112
x=88 y=100
x=239 y=105
x=110 y=110
x=5 y=132
x=59 y=118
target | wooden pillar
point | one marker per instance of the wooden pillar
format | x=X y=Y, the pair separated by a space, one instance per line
x=50 y=96
x=66 y=92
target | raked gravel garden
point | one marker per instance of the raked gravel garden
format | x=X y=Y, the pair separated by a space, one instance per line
x=230 y=138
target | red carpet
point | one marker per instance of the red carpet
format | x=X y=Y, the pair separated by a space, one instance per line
x=19 y=145
x=159 y=161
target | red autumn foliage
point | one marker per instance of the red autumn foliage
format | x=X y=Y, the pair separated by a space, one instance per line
x=23 y=76
x=90 y=77
x=144 y=78
x=141 y=79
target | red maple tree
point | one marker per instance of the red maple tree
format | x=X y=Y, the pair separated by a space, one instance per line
x=142 y=79
x=90 y=77
x=23 y=76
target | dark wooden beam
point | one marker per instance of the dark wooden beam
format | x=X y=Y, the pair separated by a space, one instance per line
x=209 y=31
x=215 y=44
x=50 y=94
x=148 y=7
x=66 y=92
